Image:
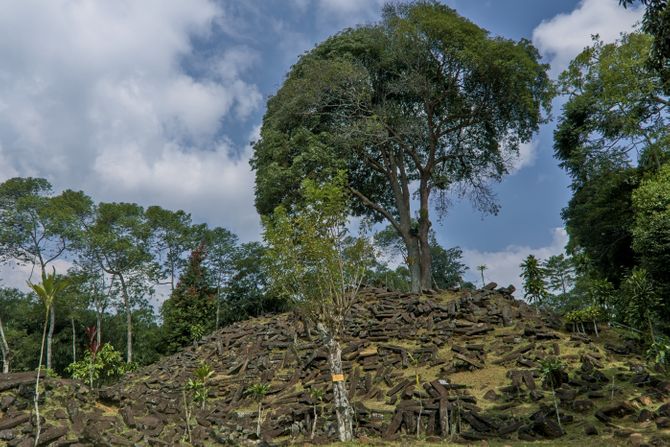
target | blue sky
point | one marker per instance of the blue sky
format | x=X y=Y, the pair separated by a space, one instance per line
x=155 y=102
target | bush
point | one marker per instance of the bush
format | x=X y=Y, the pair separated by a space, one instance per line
x=100 y=368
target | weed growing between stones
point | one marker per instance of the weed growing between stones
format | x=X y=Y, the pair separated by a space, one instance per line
x=258 y=392
x=551 y=370
x=316 y=394
x=198 y=390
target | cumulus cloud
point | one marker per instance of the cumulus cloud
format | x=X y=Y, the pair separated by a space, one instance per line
x=503 y=266
x=15 y=275
x=96 y=96
x=525 y=158
x=564 y=36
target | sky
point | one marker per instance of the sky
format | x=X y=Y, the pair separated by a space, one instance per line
x=157 y=101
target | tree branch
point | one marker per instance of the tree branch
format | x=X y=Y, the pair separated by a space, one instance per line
x=376 y=207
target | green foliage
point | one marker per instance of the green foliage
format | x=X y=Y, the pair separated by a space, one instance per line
x=616 y=105
x=317 y=394
x=258 y=391
x=641 y=305
x=313 y=262
x=447 y=266
x=533 y=281
x=656 y=22
x=379 y=102
x=659 y=352
x=599 y=220
x=587 y=314
x=173 y=237
x=559 y=272
x=198 y=384
x=550 y=368
x=36 y=227
x=651 y=230
x=189 y=312
x=381 y=275
x=248 y=294
x=50 y=287
x=102 y=368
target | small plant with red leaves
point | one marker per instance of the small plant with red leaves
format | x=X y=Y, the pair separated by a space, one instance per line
x=100 y=363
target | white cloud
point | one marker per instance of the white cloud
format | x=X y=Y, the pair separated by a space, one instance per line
x=503 y=266
x=338 y=13
x=564 y=36
x=96 y=96
x=16 y=275
x=526 y=156
x=199 y=182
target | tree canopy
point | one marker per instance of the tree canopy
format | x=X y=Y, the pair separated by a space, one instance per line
x=423 y=102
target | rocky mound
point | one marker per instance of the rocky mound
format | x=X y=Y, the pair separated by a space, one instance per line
x=457 y=365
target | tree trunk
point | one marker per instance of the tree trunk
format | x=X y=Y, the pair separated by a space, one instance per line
x=218 y=308
x=74 y=341
x=413 y=261
x=4 y=347
x=425 y=260
x=98 y=327
x=311 y=436
x=38 y=426
x=129 y=321
x=258 y=422
x=343 y=410
x=50 y=336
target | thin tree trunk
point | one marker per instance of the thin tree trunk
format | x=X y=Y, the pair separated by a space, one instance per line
x=50 y=336
x=98 y=327
x=74 y=341
x=343 y=410
x=129 y=335
x=129 y=321
x=558 y=415
x=38 y=425
x=218 y=307
x=651 y=328
x=4 y=347
x=313 y=424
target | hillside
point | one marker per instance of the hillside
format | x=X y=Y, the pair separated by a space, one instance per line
x=476 y=355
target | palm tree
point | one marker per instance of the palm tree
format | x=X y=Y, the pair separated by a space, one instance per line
x=481 y=269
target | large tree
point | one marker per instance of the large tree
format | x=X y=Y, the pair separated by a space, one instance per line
x=656 y=22
x=173 y=238
x=187 y=314
x=221 y=251
x=616 y=111
x=447 y=268
x=119 y=242
x=651 y=230
x=36 y=228
x=423 y=102
x=613 y=132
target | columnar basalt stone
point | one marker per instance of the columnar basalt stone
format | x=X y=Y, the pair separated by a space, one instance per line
x=400 y=353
